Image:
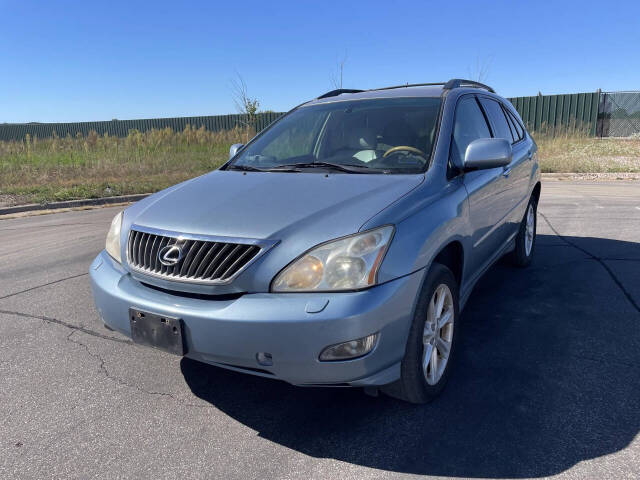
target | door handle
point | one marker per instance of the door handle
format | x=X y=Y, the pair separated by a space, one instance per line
x=529 y=155
x=506 y=172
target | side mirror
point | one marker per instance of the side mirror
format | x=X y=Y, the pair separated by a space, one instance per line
x=234 y=149
x=487 y=153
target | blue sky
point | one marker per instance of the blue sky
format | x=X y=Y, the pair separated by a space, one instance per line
x=77 y=61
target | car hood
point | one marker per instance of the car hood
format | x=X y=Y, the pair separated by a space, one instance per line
x=267 y=205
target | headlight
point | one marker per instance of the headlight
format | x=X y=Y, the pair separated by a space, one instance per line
x=345 y=264
x=113 y=238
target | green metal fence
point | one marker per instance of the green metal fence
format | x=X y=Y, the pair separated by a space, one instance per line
x=549 y=113
x=559 y=113
x=121 y=128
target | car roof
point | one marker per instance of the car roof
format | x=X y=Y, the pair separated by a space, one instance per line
x=410 y=91
x=433 y=90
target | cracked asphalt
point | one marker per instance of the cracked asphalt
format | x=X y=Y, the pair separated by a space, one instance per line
x=546 y=383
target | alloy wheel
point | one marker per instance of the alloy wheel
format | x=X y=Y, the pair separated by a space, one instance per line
x=529 y=232
x=438 y=334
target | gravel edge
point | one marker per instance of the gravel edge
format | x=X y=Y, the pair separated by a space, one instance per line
x=72 y=203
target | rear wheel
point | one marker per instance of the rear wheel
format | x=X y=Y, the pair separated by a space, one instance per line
x=432 y=337
x=526 y=238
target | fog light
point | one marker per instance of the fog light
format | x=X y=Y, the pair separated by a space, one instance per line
x=351 y=349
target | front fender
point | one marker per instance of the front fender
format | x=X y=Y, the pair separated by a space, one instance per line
x=429 y=221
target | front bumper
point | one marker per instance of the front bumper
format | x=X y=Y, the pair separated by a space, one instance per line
x=231 y=332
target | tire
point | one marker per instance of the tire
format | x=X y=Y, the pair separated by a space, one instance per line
x=414 y=385
x=526 y=243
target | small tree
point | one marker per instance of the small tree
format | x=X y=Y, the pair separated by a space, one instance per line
x=337 y=76
x=245 y=104
x=481 y=70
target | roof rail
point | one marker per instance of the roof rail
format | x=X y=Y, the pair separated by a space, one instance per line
x=450 y=85
x=461 y=82
x=334 y=93
x=410 y=85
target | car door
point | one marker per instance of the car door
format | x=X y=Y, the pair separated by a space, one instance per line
x=485 y=188
x=515 y=174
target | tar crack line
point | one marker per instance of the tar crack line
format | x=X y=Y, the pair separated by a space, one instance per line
x=597 y=259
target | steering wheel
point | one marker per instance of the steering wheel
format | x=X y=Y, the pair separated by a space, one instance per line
x=405 y=148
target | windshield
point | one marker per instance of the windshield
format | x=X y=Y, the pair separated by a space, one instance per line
x=389 y=135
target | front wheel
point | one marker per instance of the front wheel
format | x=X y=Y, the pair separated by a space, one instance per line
x=432 y=337
x=526 y=238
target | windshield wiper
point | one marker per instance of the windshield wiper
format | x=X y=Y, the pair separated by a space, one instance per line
x=347 y=168
x=245 y=168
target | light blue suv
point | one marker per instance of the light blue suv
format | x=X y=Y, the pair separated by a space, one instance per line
x=336 y=248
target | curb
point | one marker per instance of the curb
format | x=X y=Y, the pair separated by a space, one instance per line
x=73 y=203
x=622 y=176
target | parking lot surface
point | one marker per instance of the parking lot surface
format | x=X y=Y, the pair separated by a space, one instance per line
x=547 y=381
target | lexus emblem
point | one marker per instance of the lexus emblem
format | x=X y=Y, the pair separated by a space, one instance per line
x=170 y=255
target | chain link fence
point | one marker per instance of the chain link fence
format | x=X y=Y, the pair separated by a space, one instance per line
x=619 y=114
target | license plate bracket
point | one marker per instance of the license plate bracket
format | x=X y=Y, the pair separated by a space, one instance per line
x=157 y=331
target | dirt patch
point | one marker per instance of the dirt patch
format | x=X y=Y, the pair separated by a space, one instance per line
x=7 y=200
x=592 y=176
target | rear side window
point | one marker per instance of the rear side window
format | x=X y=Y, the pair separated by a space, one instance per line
x=517 y=130
x=498 y=120
x=469 y=125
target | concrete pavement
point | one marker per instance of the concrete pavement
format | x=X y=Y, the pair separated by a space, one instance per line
x=547 y=381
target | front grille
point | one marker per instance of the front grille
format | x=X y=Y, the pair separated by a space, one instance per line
x=202 y=261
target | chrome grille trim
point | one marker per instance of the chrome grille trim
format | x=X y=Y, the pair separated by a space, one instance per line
x=206 y=259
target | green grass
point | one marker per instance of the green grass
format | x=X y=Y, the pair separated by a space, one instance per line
x=94 y=166
x=581 y=154
x=44 y=170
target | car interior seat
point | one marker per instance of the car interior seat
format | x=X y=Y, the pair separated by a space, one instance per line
x=359 y=143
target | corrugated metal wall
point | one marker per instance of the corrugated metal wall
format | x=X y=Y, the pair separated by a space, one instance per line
x=554 y=113
x=120 y=128
x=551 y=113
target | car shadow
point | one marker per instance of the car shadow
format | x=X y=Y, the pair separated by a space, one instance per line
x=547 y=375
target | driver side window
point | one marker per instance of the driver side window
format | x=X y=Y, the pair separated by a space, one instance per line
x=469 y=125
